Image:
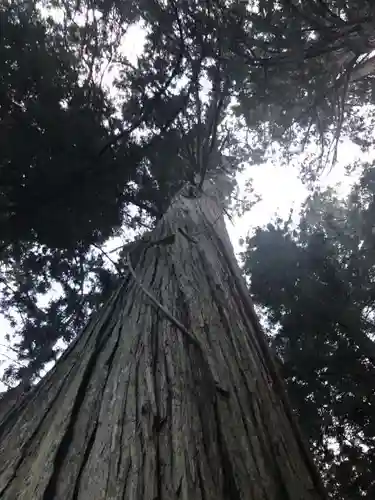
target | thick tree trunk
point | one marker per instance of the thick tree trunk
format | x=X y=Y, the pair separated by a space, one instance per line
x=169 y=393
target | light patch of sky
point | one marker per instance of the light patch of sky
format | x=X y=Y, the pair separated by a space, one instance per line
x=279 y=187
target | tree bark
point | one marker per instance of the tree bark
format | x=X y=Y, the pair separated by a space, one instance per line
x=170 y=392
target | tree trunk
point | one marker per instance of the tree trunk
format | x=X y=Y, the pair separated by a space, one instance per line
x=170 y=392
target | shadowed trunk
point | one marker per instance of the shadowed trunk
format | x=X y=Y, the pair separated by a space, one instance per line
x=169 y=393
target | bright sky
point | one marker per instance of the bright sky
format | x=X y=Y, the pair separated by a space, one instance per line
x=279 y=187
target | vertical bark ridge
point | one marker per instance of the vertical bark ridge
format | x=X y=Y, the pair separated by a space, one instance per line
x=136 y=411
x=254 y=328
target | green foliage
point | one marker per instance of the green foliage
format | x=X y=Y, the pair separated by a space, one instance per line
x=309 y=69
x=316 y=283
x=79 y=163
x=51 y=131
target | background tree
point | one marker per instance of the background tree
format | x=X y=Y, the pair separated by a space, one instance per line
x=315 y=283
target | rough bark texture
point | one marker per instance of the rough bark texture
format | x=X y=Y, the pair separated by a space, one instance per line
x=172 y=402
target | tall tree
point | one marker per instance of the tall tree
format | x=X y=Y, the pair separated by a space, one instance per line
x=170 y=390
